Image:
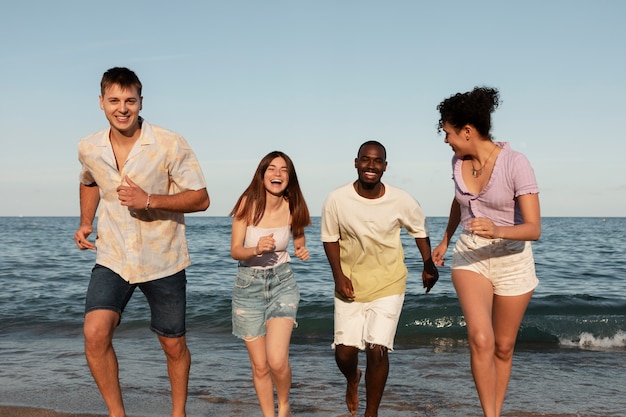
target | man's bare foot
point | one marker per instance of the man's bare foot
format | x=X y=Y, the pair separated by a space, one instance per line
x=352 y=394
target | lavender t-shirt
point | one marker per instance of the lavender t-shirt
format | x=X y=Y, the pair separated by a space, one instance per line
x=511 y=177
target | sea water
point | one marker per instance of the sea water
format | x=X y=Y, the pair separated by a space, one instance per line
x=570 y=359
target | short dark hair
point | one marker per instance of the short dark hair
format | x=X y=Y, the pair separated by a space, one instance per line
x=372 y=142
x=121 y=76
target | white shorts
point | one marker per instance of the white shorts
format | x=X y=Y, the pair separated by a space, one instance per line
x=508 y=264
x=374 y=322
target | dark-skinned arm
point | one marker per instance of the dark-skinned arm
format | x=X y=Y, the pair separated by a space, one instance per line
x=343 y=285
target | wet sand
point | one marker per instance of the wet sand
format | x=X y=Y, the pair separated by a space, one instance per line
x=214 y=411
x=16 y=411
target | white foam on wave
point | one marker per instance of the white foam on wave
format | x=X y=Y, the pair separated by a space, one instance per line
x=440 y=322
x=589 y=341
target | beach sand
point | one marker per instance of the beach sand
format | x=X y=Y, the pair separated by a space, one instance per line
x=14 y=411
x=216 y=410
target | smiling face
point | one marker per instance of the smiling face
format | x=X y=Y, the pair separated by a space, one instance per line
x=276 y=177
x=121 y=107
x=456 y=139
x=370 y=165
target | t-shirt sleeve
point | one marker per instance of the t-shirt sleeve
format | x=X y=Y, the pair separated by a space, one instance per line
x=85 y=176
x=185 y=169
x=329 y=222
x=415 y=219
x=524 y=180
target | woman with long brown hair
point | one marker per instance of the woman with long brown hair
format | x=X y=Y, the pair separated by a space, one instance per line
x=270 y=212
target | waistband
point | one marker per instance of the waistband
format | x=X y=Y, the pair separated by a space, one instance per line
x=475 y=238
x=265 y=272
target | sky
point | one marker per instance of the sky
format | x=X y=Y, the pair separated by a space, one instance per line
x=315 y=79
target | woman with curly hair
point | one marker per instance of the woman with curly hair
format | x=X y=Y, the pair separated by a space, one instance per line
x=265 y=294
x=493 y=271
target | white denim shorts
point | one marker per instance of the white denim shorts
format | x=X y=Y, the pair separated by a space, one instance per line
x=374 y=322
x=508 y=264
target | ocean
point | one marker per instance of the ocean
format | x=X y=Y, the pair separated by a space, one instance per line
x=570 y=359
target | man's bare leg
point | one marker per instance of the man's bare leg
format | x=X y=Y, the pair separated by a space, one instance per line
x=347 y=359
x=178 y=365
x=375 y=377
x=98 y=330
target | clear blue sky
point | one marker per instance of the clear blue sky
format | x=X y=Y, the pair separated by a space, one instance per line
x=315 y=79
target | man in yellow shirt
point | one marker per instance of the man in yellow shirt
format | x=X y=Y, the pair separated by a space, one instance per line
x=361 y=225
x=142 y=178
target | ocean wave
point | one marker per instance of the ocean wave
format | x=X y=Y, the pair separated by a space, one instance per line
x=589 y=341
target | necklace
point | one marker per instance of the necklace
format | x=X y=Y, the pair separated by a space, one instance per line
x=478 y=172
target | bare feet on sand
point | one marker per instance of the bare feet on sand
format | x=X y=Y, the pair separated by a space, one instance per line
x=352 y=394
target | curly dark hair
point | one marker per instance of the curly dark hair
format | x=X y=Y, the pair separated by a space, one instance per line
x=470 y=108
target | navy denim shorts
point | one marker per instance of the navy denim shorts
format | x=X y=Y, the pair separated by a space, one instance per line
x=260 y=295
x=166 y=297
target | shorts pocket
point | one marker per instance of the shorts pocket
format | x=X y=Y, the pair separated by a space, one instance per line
x=285 y=277
x=243 y=280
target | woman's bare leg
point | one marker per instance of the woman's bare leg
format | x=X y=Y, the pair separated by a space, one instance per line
x=277 y=347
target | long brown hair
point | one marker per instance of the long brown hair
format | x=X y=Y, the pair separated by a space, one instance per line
x=251 y=204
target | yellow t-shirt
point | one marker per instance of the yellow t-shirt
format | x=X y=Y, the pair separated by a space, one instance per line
x=368 y=232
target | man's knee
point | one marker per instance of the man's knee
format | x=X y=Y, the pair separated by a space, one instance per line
x=376 y=352
x=174 y=347
x=346 y=353
x=99 y=326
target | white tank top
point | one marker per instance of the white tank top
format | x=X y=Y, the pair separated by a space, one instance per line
x=267 y=259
